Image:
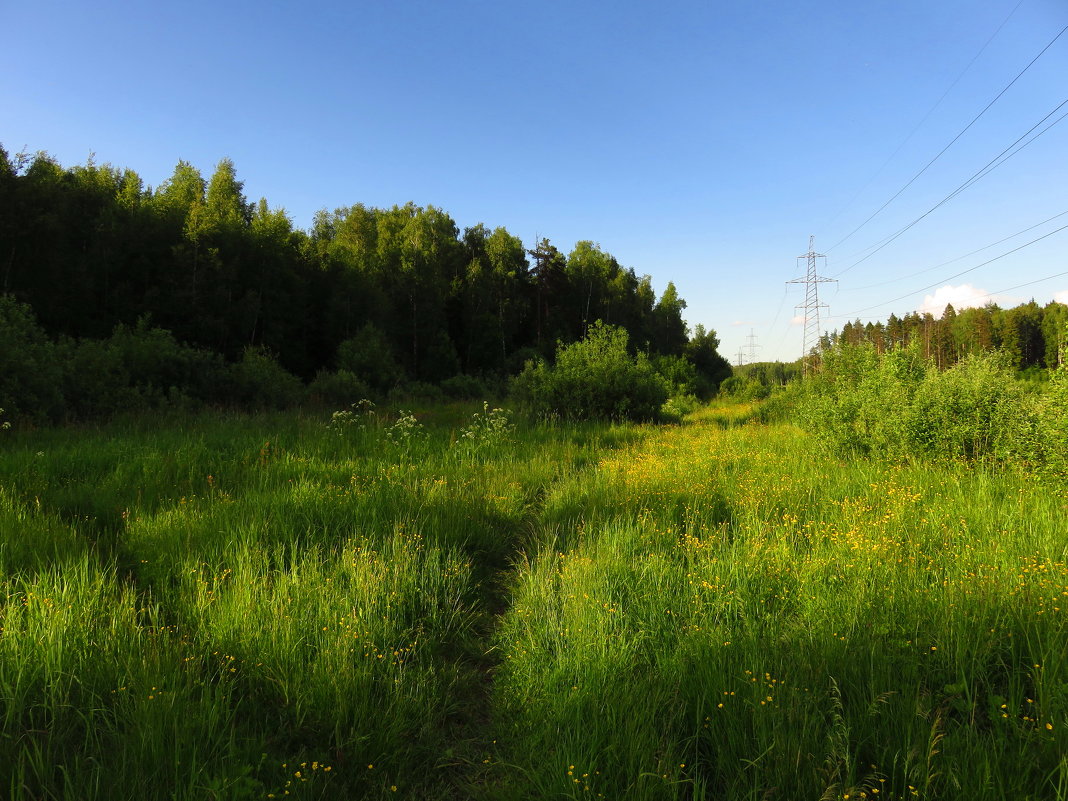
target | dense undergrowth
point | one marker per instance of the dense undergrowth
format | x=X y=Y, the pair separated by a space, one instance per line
x=442 y=605
x=897 y=406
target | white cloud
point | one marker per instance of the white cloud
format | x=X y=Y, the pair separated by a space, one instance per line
x=1061 y=297
x=742 y=322
x=964 y=296
x=797 y=319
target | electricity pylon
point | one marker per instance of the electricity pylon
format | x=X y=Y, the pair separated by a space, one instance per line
x=811 y=306
x=752 y=346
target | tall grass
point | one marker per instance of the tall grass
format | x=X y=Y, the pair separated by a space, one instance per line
x=259 y=607
x=439 y=605
x=734 y=619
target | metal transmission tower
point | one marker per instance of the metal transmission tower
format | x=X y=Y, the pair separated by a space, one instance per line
x=811 y=306
x=751 y=346
x=739 y=357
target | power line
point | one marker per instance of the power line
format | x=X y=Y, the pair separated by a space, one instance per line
x=952 y=141
x=964 y=272
x=989 y=167
x=958 y=258
x=782 y=302
x=812 y=305
x=1021 y=286
x=980 y=295
x=752 y=346
x=919 y=125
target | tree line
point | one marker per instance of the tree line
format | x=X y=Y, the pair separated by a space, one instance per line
x=1031 y=336
x=384 y=295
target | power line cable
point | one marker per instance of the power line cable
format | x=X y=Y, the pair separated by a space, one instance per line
x=782 y=302
x=989 y=167
x=980 y=295
x=919 y=125
x=1021 y=286
x=958 y=258
x=962 y=272
x=952 y=141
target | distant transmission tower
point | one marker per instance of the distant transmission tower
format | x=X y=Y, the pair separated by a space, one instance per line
x=811 y=306
x=739 y=364
x=751 y=345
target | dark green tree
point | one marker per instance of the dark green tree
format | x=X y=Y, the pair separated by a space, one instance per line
x=712 y=369
x=668 y=329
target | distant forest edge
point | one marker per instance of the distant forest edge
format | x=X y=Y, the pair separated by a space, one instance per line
x=115 y=296
x=1031 y=336
x=189 y=290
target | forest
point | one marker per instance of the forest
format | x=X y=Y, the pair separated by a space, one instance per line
x=99 y=272
x=1031 y=336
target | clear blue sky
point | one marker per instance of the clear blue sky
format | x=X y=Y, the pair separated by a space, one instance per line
x=698 y=142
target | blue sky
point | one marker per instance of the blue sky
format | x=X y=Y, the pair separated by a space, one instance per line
x=698 y=142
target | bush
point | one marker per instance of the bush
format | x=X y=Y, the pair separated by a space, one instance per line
x=369 y=356
x=1049 y=440
x=898 y=405
x=464 y=387
x=594 y=378
x=95 y=381
x=857 y=402
x=782 y=404
x=138 y=368
x=743 y=389
x=156 y=362
x=30 y=375
x=341 y=388
x=258 y=381
x=680 y=373
x=678 y=406
x=972 y=411
x=417 y=392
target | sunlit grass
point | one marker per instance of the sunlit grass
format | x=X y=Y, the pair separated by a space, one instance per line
x=245 y=607
x=259 y=607
x=733 y=618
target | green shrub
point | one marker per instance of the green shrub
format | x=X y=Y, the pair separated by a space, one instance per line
x=744 y=389
x=30 y=375
x=857 y=402
x=782 y=403
x=595 y=378
x=138 y=368
x=418 y=391
x=730 y=387
x=464 y=387
x=95 y=381
x=898 y=405
x=678 y=406
x=680 y=373
x=341 y=388
x=1049 y=441
x=972 y=411
x=157 y=364
x=258 y=381
x=369 y=356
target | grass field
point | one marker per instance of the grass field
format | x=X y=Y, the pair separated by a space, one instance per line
x=446 y=607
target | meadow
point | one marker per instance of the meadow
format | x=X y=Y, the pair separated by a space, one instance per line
x=460 y=603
